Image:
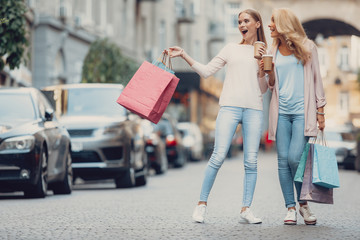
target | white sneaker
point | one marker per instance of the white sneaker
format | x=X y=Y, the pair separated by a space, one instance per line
x=309 y=217
x=248 y=217
x=199 y=213
x=290 y=218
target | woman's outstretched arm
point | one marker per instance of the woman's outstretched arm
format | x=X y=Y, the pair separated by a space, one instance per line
x=179 y=52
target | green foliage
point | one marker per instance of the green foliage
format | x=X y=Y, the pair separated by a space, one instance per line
x=12 y=32
x=104 y=63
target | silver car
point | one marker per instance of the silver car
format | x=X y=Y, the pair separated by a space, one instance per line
x=107 y=141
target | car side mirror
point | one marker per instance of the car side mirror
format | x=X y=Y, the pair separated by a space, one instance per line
x=49 y=114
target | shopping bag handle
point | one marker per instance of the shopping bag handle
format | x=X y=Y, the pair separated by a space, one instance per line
x=165 y=59
x=319 y=138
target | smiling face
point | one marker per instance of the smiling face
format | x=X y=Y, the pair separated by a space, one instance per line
x=248 y=27
x=273 y=31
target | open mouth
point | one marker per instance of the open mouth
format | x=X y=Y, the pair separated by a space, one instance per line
x=244 y=31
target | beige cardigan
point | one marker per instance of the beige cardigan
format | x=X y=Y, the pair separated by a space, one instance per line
x=314 y=96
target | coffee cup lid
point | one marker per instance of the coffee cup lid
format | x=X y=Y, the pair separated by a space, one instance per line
x=259 y=42
x=267 y=55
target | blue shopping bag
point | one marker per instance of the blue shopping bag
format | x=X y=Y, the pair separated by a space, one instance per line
x=325 y=169
x=164 y=62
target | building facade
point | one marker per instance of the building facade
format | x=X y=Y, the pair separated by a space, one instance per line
x=61 y=32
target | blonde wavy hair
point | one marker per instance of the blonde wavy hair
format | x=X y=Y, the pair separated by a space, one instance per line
x=257 y=17
x=292 y=32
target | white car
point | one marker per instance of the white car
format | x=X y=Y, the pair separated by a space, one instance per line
x=192 y=140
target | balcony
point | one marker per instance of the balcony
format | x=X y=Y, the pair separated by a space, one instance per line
x=184 y=11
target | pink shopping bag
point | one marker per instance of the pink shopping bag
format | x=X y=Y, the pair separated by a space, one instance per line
x=149 y=92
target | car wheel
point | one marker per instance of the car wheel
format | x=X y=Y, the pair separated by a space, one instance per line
x=163 y=167
x=158 y=170
x=357 y=163
x=40 y=189
x=180 y=161
x=142 y=179
x=127 y=180
x=65 y=185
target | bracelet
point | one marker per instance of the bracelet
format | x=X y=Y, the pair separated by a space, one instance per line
x=320 y=113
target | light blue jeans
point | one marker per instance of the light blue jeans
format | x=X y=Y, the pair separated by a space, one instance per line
x=290 y=144
x=226 y=123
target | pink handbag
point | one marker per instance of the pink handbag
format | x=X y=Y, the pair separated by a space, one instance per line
x=149 y=92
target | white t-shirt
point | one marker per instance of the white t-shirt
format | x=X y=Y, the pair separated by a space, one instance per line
x=242 y=87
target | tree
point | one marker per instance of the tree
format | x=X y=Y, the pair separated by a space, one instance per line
x=105 y=63
x=13 y=39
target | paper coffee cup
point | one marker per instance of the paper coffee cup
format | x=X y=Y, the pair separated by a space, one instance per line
x=257 y=46
x=267 y=59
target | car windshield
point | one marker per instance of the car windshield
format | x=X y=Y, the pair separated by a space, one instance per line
x=94 y=101
x=16 y=106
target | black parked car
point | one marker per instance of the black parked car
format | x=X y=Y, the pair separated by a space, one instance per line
x=107 y=140
x=155 y=148
x=34 y=146
x=175 y=150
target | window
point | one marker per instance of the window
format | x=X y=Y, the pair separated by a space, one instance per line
x=323 y=61
x=197 y=50
x=103 y=17
x=96 y=10
x=232 y=12
x=343 y=58
x=65 y=9
x=197 y=9
x=162 y=35
x=124 y=18
x=59 y=68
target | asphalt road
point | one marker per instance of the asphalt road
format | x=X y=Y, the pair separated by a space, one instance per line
x=163 y=208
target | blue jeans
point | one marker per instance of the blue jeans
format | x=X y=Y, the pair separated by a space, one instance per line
x=226 y=124
x=290 y=144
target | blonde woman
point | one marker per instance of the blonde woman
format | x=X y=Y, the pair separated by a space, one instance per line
x=240 y=102
x=297 y=103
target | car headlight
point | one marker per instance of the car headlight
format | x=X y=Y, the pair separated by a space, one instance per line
x=22 y=144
